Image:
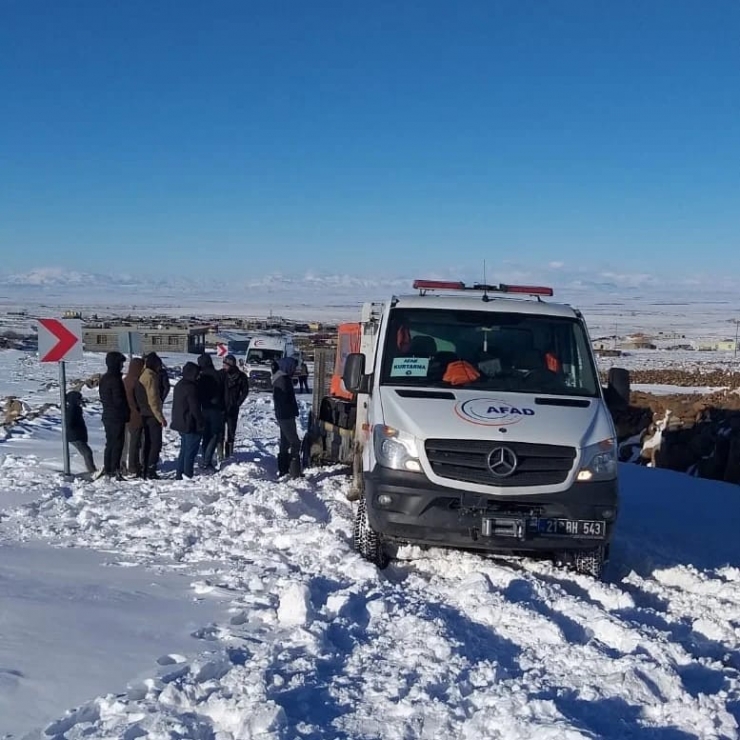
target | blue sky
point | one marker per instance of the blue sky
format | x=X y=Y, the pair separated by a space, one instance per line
x=247 y=138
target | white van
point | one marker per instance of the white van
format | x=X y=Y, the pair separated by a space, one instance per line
x=262 y=351
x=481 y=423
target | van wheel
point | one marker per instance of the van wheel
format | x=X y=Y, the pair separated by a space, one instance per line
x=356 y=490
x=590 y=562
x=366 y=541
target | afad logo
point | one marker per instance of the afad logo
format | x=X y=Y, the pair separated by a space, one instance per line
x=491 y=412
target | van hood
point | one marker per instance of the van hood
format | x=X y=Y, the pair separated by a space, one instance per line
x=512 y=417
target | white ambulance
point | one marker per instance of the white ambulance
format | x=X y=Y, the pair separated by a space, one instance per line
x=262 y=351
x=481 y=423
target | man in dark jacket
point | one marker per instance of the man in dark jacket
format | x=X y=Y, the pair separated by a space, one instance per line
x=236 y=390
x=213 y=403
x=77 y=429
x=115 y=413
x=286 y=412
x=303 y=378
x=187 y=419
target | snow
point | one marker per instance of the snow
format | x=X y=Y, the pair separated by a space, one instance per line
x=233 y=607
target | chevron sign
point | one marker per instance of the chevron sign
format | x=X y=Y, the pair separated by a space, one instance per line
x=60 y=340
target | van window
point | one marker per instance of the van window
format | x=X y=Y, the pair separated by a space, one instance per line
x=522 y=353
x=263 y=356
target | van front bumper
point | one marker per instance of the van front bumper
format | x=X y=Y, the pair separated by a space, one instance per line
x=408 y=507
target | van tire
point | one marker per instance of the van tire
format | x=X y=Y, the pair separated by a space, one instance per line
x=590 y=562
x=366 y=541
x=356 y=490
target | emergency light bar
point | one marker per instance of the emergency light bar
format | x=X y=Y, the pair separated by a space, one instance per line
x=538 y=290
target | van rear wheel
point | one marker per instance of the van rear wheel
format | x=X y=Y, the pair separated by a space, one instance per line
x=366 y=541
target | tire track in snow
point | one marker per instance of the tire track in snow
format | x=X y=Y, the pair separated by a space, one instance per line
x=319 y=644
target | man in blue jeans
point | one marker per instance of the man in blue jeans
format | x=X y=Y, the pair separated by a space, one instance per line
x=187 y=419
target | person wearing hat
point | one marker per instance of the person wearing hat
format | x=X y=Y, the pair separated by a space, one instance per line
x=77 y=429
x=211 y=394
x=286 y=412
x=149 y=402
x=236 y=390
x=116 y=413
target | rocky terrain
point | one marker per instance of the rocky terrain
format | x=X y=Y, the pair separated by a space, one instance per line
x=698 y=433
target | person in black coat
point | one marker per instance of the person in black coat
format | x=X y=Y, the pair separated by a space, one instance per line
x=236 y=390
x=187 y=419
x=286 y=412
x=77 y=429
x=212 y=397
x=115 y=412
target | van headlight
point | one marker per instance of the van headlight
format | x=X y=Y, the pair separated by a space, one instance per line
x=395 y=449
x=599 y=461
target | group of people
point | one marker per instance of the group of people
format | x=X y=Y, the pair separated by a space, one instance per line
x=205 y=412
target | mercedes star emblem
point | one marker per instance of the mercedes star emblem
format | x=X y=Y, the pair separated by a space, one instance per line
x=502 y=462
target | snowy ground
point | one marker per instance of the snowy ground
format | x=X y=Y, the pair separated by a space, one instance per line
x=261 y=622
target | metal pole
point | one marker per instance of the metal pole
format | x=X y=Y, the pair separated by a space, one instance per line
x=737 y=324
x=63 y=396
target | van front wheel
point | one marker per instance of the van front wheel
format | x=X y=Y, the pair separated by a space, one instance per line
x=366 y=541
x=590 y=562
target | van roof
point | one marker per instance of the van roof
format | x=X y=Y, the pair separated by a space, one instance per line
x=494 y=304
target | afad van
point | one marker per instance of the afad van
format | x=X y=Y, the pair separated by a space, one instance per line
x=473 y=417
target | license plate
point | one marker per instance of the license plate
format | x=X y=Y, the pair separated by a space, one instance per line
x=568 y=528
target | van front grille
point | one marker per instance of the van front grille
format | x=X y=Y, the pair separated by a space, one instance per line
x=467 y=460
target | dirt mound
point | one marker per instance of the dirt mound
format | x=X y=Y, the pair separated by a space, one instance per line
x=699 y=434
x=693 y=378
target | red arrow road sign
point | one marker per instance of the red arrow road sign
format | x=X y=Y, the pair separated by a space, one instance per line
x=58 y=339
x=222 y=350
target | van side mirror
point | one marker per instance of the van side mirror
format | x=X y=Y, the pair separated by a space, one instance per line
x=618 y=388
x=354 y=372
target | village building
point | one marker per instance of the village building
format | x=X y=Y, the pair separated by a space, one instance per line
x=170 y=339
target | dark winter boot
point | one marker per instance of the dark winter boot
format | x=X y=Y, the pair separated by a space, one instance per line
x=283 y=463
x=294 y=468
x=151 y=474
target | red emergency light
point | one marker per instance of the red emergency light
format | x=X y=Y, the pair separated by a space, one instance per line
x=536 y=290
x=438 y=285
x=527 y=289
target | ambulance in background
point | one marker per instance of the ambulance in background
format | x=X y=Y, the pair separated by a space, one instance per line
x=262 y=351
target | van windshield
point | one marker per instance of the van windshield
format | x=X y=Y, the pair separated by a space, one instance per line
x=488 y=350
x=263 y=356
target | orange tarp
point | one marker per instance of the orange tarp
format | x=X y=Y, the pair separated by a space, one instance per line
x=348 y=340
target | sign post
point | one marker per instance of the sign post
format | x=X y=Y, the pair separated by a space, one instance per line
x=61 y=341
x=63 y=406
x=130 y=343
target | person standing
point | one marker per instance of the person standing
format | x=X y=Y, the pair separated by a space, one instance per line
x=236 y=390
x=134 y=427
x=213 y=403
x=77 y=429
x=303 y=378
x=286 y=412
x=187 y=419
x=115 y=413
x=149 y=401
